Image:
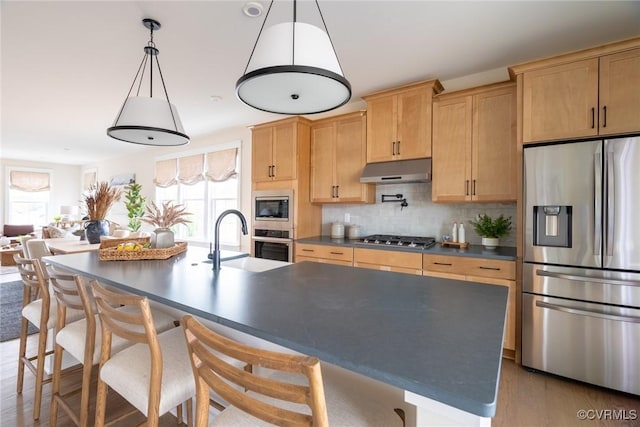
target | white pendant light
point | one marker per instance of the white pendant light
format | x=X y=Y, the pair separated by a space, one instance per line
x=293 y=69
x=144 y=119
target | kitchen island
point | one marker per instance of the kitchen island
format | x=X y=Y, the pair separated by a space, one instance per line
x=438 y=340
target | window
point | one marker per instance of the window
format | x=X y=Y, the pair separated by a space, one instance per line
x=29 y=192
x=204 y=194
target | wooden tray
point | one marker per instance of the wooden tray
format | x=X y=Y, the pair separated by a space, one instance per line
x=112 y=254
x=456 y=244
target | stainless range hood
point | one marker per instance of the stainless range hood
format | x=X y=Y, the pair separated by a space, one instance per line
x=398 y=171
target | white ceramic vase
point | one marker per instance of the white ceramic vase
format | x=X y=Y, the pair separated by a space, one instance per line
x=490 y=242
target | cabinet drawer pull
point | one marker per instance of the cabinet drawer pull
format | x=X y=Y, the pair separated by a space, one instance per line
x=466 y=187
x=443 y=263
x=593 y=118
x=337 y=191
x=604 y=110
x=393 y=148
x=273 y=170
x=336 y=253
x=398 y=151
x=473 y=188
x=308 y=250
x=490 y=268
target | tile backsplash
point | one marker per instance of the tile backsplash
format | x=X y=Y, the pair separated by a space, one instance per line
x=421 y=218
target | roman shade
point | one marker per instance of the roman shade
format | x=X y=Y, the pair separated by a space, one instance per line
x=221 y=165
x=29 y=181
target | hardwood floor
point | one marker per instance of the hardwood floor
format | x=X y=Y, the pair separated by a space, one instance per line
x=524 y=399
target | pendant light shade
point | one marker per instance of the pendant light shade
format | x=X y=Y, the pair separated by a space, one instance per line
x=293 y=69
x=144 y=119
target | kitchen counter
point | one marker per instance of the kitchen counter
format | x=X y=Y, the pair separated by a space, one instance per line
x=506 y=253
x=439 y=340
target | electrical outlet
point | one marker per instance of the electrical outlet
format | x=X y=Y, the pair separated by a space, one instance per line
x=347 y=218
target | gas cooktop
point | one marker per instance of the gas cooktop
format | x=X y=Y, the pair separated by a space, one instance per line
x=406 y=241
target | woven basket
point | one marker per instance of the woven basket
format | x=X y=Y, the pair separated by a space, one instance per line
x=112 y=254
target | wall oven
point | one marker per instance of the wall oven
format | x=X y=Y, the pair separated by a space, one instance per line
x=272 y=221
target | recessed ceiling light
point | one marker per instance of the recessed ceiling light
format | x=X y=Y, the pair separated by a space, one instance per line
x=252 y=9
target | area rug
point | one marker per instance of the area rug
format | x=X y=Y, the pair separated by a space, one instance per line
x=10 y=311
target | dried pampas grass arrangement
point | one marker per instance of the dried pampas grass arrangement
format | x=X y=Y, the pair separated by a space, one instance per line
x=167 y=216
x=99 y=199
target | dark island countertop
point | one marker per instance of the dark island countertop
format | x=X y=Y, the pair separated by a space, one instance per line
x=506 y=253
x=437 y=338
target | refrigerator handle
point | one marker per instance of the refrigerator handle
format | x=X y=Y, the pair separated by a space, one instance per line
x=589 y=279
x=610 y=214
x=597 y=206
x=583 y=312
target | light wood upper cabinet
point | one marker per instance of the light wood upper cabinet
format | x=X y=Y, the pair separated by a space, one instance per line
x=560 y=102
x=338 y=155
x=620 y=93
x=399 y=122
x=589 y=93
x=274 y=151
x=474 y=145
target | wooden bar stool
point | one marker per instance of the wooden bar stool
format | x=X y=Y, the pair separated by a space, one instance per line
x=153 y=375
x=293 y=392
x=82 y=339
x=39 y=309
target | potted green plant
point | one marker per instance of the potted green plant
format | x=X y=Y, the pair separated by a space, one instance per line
x=98 y=200
x=491 y=229
x=135 y=204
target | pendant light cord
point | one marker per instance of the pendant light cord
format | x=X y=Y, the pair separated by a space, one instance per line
x=259 y=34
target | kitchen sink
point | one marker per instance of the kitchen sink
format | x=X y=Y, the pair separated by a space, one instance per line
x=253 y=264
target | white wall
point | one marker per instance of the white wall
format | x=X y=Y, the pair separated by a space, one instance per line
x=421 y=218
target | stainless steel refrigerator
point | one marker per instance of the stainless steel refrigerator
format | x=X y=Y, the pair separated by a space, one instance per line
x=581 y=271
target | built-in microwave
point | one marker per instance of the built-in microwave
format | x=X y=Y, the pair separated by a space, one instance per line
x=273 y=210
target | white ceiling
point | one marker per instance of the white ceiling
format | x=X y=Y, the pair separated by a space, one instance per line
x=67 y=66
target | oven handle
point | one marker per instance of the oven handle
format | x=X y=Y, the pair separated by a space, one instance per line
x=272 y=239
x=588 y=279
x=583 y=312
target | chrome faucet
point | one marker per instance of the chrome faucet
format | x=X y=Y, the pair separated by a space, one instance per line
x=216 y=249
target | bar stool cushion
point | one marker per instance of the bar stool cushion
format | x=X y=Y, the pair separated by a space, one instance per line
x=33 y=311
x=127 y=372
x=345 y=407
x=72 y=336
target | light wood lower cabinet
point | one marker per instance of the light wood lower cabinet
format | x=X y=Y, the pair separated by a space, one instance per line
x=340 y=255
x=480 y=270
x=399 y=262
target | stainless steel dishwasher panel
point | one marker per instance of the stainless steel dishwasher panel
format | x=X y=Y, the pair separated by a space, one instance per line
x=594 y=343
